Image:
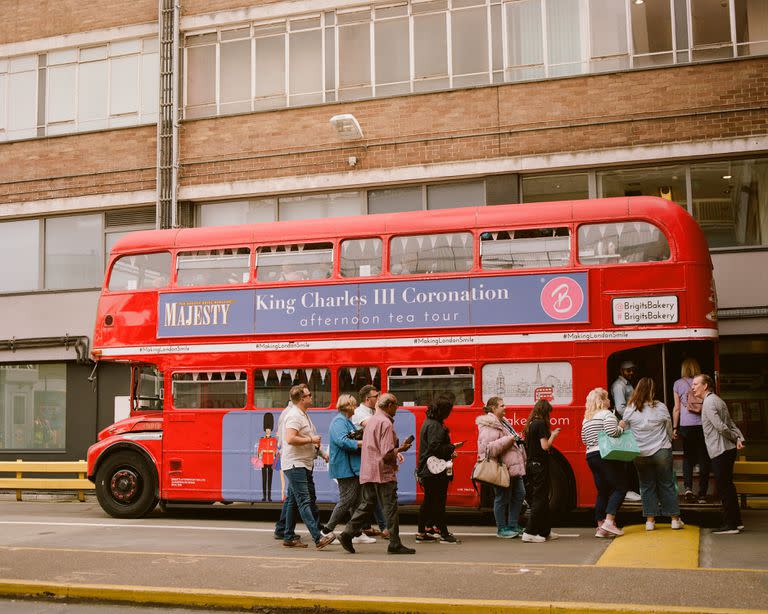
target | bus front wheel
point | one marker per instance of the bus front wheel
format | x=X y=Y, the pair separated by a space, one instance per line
x=126 y=485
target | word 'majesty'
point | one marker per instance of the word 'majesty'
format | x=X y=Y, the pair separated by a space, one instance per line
x=204 y=313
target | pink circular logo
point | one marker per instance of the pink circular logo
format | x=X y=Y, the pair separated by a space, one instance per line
x=561 y=298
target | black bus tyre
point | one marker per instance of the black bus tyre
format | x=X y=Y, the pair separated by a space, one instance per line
x=562 y=497
x=126 y=485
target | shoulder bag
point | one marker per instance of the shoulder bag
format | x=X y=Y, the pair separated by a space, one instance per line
x=490 y=471
x=621 y=448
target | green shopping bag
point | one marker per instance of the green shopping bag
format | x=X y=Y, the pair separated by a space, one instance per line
x=621 y=448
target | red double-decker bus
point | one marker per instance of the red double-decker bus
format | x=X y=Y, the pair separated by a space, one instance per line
x=518 y=301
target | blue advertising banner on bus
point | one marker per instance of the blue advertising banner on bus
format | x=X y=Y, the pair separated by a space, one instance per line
x=440 y=303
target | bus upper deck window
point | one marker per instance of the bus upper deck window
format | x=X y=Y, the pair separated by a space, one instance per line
x=622 y=242
x=216 y=267
x=360 y=257
x=297 y=262
x=438 y=253
x=140 y=272
x=528 y=248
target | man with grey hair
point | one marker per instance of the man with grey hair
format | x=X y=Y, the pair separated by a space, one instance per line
x=722 y=438
x=378 y=476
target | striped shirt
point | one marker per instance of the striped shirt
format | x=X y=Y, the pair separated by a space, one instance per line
x=603 y=420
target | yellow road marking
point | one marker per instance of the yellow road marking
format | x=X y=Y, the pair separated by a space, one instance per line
x=209 y=598
x=662 y=548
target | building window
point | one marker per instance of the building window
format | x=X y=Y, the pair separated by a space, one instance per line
x=730 y=202
x=73 y=251
x=64 y=252
x=665 y=181
x=73 y=90
x=33 y=406
x=20 y=255
x=309 y=206
x=548 y=188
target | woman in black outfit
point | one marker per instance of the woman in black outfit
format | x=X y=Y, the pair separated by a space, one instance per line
x=538 y=441
x=434 y=440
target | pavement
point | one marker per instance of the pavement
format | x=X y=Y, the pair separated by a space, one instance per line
x=227 y=558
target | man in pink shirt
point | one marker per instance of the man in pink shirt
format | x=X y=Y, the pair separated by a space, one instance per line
x=378 y=476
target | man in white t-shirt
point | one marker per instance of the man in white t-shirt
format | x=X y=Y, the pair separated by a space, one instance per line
x=301 y=445
x=367 y=407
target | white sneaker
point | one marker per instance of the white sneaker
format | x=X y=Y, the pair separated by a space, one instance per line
x=611 y=527
x=363 y=539
x=650 y=526
x=631 y=496
x=533 y=539
x=677 y=524
x=552 y=536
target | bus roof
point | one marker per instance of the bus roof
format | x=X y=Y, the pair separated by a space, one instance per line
x=666 y=214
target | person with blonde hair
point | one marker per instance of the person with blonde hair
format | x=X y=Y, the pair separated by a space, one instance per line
x=686 y=423
x=651 y=424
x=609 y=476
x=344 y=466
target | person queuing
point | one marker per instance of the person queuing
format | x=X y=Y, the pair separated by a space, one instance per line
x=651 y=424
x=621 y=390
x=723 y=438
x=609 y=476
x=301 y=449
x=367 y=407
x=283 y=530
x=686 y=424
x=344 y=467
x=378 y=476
x=435 y=443
x=538 y=442
x=498 y=439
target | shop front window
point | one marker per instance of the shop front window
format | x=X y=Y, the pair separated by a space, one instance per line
x=33 y=406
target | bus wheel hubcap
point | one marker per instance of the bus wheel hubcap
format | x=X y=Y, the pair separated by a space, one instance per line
x=124 y=485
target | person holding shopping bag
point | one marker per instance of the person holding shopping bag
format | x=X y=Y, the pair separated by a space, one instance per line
x=651 y=424
x=609 y=475
x=498 y=439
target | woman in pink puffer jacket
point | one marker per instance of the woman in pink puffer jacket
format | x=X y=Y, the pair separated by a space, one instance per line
x=498 y=439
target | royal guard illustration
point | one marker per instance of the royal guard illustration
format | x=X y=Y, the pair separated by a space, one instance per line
x=266 y=453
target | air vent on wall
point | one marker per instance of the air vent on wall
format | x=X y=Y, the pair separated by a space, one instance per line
x=130 y=217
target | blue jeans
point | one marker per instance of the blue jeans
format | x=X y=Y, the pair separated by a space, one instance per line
x=611 y=483
x=508 y=502
x=657 y=486
x=282 y=528
x=302 y=483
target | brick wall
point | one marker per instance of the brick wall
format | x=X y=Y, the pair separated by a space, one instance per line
x=197 y=7
x=677 y=104
x=22 y=20
x=79 y=164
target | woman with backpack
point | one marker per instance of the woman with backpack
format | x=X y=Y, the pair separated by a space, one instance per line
x=686 y=423
x=498 y=439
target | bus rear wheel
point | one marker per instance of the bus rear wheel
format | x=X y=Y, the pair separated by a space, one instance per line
x=126 y=485
x=562 y=498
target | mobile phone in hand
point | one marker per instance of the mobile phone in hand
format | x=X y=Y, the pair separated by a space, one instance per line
x=409 y=440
